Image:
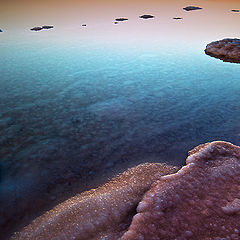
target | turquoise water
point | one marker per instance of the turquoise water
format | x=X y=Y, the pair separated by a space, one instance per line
x=69 y=111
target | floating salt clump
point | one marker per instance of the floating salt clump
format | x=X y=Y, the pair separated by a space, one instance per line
x=146 y=16
x=191 y=8
x=47 y=27
x=121 y=19
x=36 y=29
x=227 y=50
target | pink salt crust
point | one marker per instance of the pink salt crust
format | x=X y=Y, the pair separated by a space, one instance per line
x=200 y=201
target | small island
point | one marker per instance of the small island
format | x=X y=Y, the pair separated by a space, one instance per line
x=228 y=50
x=146 y=16
x=191 y=8
x=121 y=19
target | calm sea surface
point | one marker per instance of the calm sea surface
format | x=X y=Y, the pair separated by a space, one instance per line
x=73 y=110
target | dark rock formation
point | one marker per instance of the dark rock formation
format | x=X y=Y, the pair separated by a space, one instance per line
x=121 y=19
x=235 y=10
x=1 y=30
x=146 y=16
x=227 y=50
x=200 y=201
x=115 y=22
x=178 y=18
x=191 y=8
x=36 y=29
x=84 y=25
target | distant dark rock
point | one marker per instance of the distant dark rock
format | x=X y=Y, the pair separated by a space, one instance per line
x=1 y=30
x=227 y=50
x=47 y=27
x=177 y=18
x=84 y=25
x=121 y=19
x=115 y=22
x=191 y=8
x=36 y=29
x=146 y=16
x=235 y=10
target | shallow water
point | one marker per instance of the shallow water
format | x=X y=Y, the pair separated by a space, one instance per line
x=71 y=111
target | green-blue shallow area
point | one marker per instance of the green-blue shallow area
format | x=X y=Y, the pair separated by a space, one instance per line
x=74 y=110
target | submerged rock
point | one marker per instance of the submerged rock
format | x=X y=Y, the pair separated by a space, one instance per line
x=36 y=29
x=227 y=50
x=121 y=19
x=146 y=16
x=191 y=8
x=200 y=201
x=47 y=27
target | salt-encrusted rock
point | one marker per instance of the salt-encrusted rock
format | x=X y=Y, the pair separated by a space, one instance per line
x=36 y=29
x=227 y=50
x=47 y=27
x=191 y=8
x=121 y=19
x=146 y=16
x=200 y=201
x=102 y=213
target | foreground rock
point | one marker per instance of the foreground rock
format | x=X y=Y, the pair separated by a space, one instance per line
x=1 y=30
x=200 y=201
x=191 y=8
x=121 y=19
x=146 y=16
x=227 y=50
x=99 y=213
